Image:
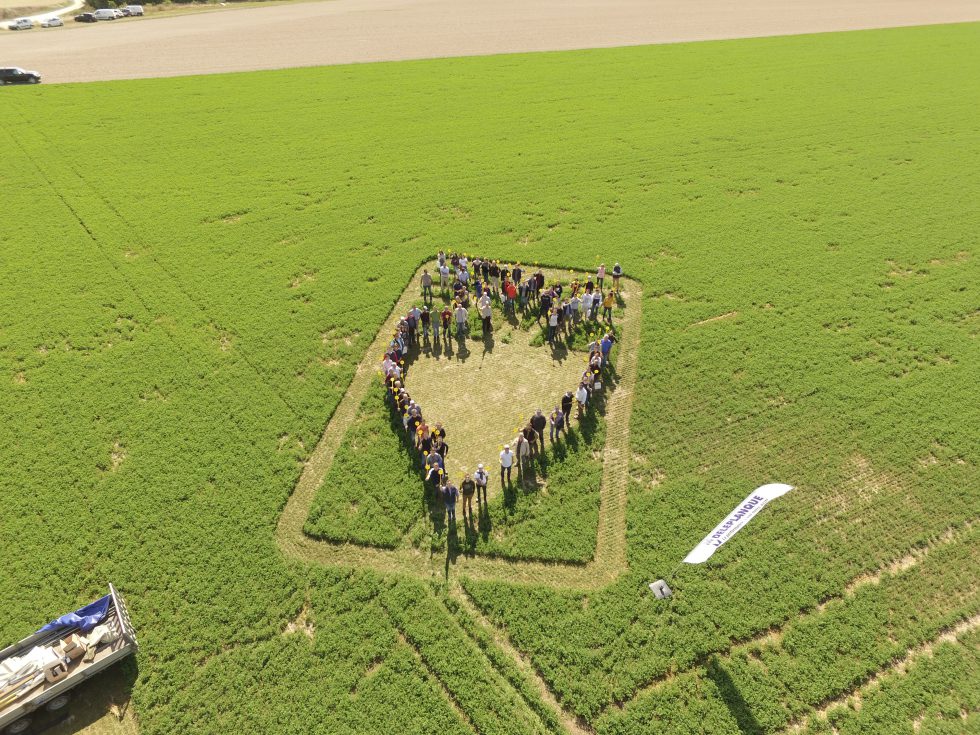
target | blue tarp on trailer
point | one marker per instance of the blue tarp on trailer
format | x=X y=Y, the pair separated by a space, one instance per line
x=85 y=618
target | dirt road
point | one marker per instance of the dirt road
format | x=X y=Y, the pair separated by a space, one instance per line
x=344 y=31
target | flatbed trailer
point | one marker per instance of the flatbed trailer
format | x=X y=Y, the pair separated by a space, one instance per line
x=15 y=716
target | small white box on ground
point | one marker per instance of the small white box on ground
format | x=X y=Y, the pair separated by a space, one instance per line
x=660 y=589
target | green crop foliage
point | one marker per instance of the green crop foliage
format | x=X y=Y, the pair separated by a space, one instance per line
x=186 y=293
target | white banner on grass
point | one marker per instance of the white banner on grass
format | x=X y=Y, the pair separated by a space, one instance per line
x=735 y=521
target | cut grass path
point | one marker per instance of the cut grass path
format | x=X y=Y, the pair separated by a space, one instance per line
x=610 y=557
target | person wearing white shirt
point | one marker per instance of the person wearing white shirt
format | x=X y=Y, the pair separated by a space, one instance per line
x=481 y=478
x=582 y=396
x=552 y=325
x=444 y=276
x=461 y=316
x=486 y=313
x=506 y=462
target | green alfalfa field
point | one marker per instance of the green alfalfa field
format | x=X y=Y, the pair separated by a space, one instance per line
x=192 y=268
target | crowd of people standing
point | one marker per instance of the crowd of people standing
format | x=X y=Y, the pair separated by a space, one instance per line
x=465 y=283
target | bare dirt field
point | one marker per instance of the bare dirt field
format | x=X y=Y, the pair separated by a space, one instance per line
x=345 y=31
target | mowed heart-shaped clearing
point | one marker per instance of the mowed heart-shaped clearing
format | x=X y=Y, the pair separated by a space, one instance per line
x=484 y=391
x=481 y=391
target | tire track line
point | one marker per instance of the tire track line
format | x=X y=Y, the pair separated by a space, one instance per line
x=853 y=697
x=572 y=725
x=773 y=636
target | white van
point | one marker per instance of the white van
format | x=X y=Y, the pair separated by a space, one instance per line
x=105 y=14
x=135 y=9
x=21 y=24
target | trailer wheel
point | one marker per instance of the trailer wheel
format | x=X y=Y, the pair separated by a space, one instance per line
x=59 y=702
x=22 y=725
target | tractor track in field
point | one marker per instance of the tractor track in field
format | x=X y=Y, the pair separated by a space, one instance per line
x=571 y=724
x=773 y=636
x=853 y=697
x=609 y=560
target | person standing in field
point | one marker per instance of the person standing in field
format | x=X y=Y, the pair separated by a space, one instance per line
x=442 y=257
x=438 y=432
x=506 y=462
x=426 y=285
x=586 y=307
x=468 y=488
x=556 y=424
x=582 y=396
x=545 y=308
x=600 y=275
x=617 y=273
x=433 y=468
x=481 y=478
x=461 y=316
x=607 y=305
x=447 y=316
x=538 y=422
x=495 y=276
x=450 y=494
x=486 y=314
x=511 y=291
x=414 y=317
x=576 y=306
x=426 y=320
x=529 y=434
x=566 y=405
x=605 y=347
x=439 y=445
x=444 y=277
x=523 y=454
x=552 y=325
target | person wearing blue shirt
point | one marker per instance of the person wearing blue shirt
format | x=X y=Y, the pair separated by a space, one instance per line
x=606 y=347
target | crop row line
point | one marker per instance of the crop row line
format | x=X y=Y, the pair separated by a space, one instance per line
x=572 y=724
x=854 y=697
x=434 y=678
x=774 y=635
x=134 y=231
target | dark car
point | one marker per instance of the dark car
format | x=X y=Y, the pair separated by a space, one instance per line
x=86 y=18
x=16 y=75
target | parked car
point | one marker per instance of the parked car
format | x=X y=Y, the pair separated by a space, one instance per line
x=134 y=9
x=86 y=18
x=105 y=14
x=21 y=24
x=53 y=22
x=16 y=75
x=123 y=11
x=118 y=13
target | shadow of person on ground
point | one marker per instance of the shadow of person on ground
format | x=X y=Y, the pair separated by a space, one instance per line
x=462 y=351
x=452 y=546
x=484 y=524
x=470 y=534
x=559 y=350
